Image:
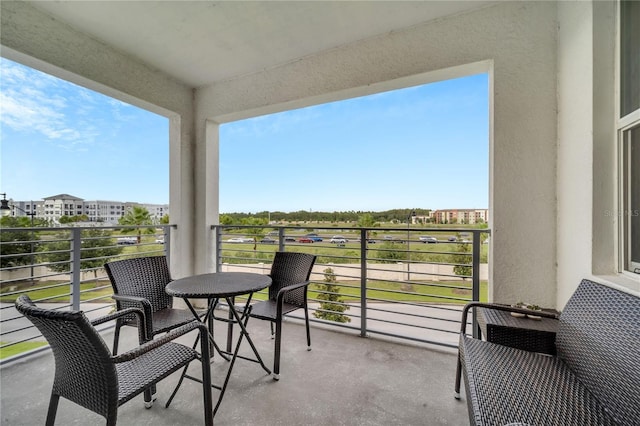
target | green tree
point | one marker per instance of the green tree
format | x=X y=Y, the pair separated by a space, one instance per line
x=463 y=261
x=389 y=252
x=97 y=244
x=73 y=219
x=226 y=219
x=164 y=220
x=331 y=309
x=16 y=243
x=136 y=217
x=254 y=221
x=367 y=221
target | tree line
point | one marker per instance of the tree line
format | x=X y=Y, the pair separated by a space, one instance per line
x=397 y=215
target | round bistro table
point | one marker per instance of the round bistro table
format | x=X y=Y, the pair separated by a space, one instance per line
x=222 y=285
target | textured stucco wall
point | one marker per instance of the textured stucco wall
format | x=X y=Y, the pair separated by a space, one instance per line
x=30 y=37
x=519 y=40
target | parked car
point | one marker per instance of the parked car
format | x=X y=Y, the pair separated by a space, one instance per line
x=391 y=239
x=305 y=240
x=427 y=239
x=267 y=240
x=127 y=241
x=338 y=239
x=237 y=240
x=314 y=237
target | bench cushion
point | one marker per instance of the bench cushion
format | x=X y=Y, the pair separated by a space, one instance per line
x=506 y=385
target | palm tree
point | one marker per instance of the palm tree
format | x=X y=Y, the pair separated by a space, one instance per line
x=136 y=217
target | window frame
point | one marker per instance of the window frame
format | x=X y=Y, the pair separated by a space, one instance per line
x=624 y=125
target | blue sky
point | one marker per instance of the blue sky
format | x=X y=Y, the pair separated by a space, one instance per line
x=420 y=147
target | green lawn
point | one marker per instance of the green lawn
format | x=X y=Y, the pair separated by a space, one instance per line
x=421 y=293
x=88 y=290
x=327 y=252
x=19 y=348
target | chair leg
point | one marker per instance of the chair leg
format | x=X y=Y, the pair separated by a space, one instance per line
x=53 y=409
x=116 y=338
x=149 y=397
x=276 y=352
x=272 y=332
x=458 y=374
x=306 y=319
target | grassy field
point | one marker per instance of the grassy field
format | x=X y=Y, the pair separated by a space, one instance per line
x=440 y=292
x=19 y=348
x=59 y=292
x=350 y=252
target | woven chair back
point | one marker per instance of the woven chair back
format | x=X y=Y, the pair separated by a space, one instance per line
x=599 y=339
x=84 y=372
x=143 y=277
x=290 y=268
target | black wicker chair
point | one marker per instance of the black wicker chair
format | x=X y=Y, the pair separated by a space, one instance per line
x=140 y=283
x=86 y=373
x=290 y=274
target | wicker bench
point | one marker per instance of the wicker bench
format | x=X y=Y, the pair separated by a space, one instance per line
x=593 y=380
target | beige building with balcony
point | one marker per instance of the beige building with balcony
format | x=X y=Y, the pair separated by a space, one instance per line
x=467 y=216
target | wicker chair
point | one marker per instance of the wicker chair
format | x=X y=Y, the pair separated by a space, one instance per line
x=290 y=274
x=87 y=374
x=140 y=283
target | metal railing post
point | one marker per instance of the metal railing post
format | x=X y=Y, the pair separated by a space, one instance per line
x=76 y=245
x=167 y=242
x=281 y=239
x=475 y=277
x=218 y=246
x=363 y=282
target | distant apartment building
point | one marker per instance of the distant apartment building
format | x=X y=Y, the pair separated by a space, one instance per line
x=99 y=211
x=469 y=216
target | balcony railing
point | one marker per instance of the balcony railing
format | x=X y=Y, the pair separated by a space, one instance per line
x=402 y=283
x=62 y=267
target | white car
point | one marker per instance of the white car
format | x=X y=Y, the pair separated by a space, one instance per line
x=240 y=240
x=338 y=239
x=160 y=240
x=125 y=241
x=428 y=239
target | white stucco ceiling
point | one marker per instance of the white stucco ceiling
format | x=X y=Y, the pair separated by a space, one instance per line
x=201 y=42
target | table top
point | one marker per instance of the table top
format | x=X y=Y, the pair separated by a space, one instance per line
x=493 y=317
x=218 y=284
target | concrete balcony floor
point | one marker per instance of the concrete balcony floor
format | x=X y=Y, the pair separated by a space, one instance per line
x=344 y=380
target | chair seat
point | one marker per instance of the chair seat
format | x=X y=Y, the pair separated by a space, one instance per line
x=268 y=308
x=138 y=374
x=167 y=319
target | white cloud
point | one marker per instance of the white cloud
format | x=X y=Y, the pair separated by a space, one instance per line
x=34 y=102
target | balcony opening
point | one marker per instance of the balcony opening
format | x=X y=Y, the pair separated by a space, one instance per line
x=61 y=138
x=397 y=181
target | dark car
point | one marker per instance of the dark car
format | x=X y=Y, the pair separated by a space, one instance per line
x=289 y=239
x=267 y=240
